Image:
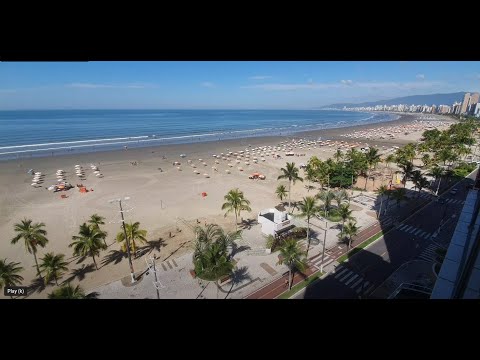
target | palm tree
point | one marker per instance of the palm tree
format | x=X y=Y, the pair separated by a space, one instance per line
x=292 y=255
x=399 y=195
x=9 y=274
x=422 y=183
x=134 y=233
x=228 y=240
x=426 y=160
x=326 y=197
x=437 y=172
x=290 y=172
x=416 y=178
x=338 y=155
x=388 y=160
x=311 y=176
x=34 y=236
x=407 y=168
x=210 y=256
x=382 y=190
x=54 y=266
x=308 y=208
x=281 y=192
x=345 y=214
x=351 y=230
x=373 y=158
x=88 y=243
x=68 y=292
x=235 y=202
x=97 y=220
x=341 y=196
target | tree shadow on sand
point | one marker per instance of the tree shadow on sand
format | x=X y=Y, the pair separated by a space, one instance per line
x=149 y=247
x=92 y=295
x=79 y=273
x=38 y=285
x=114 y=256
x=238 y=249
x=247 y=224
x=238 y=276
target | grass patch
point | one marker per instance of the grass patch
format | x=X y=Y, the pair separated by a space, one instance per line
x=301 y=285
x=333 y=216
x=360 y=247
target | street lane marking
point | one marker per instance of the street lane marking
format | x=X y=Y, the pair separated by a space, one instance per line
x=340 y=273
x=411 y=231
x=403 y=227
x=346 y=276
x=351 y=279
x=417 y=232
x=356 y=283
x=365 y=284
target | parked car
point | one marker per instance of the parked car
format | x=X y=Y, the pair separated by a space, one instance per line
x=453 y=191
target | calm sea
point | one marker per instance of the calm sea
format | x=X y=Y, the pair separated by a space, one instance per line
x=46 y=133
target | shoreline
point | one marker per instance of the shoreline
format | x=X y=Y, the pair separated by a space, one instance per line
x=145 y=141
x=132 y=153
x=161 y=200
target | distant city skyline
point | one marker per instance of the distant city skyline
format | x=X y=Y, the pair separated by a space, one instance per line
x=224 y=84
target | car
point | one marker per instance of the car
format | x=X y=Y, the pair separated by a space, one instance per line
x=453 y=191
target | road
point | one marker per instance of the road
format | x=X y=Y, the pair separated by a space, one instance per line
x=411 y=239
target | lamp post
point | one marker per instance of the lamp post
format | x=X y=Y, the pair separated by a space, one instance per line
x=132 y=273
x=324 y=241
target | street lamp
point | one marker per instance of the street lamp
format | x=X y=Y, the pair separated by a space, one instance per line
x=132 y=273
x=324 y=241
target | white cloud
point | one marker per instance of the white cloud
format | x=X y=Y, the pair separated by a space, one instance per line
x=260 y=77
x=208 y=84
x=344 y=84
x=420 y=76
x=111 y=86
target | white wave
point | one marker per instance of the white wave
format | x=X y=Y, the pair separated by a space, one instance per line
x=71 y=142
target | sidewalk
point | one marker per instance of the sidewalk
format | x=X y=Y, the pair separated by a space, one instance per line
x=277 y=287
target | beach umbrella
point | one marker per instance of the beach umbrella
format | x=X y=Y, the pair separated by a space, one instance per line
x=206 y=175
x=227 y=171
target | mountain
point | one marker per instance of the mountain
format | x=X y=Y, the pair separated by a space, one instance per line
x=437 y=99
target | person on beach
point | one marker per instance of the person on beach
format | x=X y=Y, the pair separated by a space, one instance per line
x=286 y=282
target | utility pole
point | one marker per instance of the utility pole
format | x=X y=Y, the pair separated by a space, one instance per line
x=324 y=241
x=155 y=272
x=132 y=273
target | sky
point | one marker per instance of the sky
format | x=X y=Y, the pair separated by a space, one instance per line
x=224 y=84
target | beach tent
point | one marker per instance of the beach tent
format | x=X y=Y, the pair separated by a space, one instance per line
x=204 y=194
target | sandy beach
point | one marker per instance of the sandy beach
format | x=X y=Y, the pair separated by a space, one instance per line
x=164 y=196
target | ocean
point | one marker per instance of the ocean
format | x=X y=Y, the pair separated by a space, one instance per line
x=52 y=132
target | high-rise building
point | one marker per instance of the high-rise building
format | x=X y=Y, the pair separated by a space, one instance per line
x=468 y=100
x=456 y=108
x=474 y=100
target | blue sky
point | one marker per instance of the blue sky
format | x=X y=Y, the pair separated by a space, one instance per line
x=224 y=85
